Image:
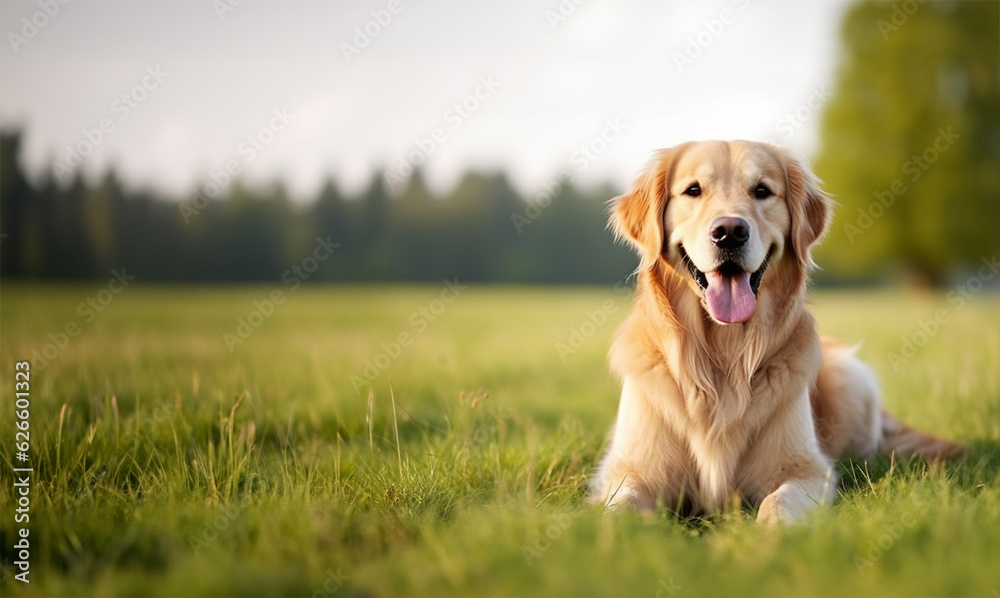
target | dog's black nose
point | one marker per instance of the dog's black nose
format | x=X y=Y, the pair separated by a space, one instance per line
x=729 y=232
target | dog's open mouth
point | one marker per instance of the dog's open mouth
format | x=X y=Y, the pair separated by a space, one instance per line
x=730 y=292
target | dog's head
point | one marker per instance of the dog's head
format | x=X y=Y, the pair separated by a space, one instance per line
x=724 y=214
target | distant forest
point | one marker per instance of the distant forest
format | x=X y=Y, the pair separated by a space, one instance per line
x=481 y=231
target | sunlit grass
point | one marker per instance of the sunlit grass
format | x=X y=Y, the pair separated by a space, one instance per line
x=166 y=465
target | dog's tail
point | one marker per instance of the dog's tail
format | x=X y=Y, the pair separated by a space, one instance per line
x=905 y=441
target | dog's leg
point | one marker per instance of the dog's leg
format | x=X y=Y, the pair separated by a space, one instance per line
x=620 y=495
x=847 y=406
x=644 y=467
x=785 y=472
x=849 y=415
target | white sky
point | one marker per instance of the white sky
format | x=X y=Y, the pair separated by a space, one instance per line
x=557 y=86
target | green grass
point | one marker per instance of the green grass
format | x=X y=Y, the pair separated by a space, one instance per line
x=166 y=465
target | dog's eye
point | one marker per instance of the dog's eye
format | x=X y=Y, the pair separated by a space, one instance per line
x=762 y=192
x=694 y=190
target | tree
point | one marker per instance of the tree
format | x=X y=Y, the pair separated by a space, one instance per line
x=911 y=140
x=16 y=194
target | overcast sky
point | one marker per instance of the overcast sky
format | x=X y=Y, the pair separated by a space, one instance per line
x=180 y=88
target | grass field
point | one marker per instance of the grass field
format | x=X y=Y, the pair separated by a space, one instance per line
x=167 y=465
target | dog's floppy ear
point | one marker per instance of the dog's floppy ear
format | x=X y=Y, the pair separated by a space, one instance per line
x=637 y=216
x=809 y=206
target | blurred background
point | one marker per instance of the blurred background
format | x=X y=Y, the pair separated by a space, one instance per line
x=215 y=140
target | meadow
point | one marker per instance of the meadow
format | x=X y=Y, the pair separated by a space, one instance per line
x=173 y=460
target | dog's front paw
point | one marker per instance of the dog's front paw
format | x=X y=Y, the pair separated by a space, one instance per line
x=622 y=498
x=771 y=511
x=791 y=502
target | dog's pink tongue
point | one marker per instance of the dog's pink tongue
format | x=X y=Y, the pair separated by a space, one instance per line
x=729 y=297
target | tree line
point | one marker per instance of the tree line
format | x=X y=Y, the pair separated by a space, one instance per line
x=480 y=231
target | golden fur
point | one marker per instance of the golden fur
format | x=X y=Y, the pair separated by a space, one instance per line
x=761 y=407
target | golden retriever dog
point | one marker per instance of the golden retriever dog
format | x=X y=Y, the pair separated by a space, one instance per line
x=726 y=387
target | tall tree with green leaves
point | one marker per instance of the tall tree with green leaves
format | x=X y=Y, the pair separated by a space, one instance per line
x=911 y=140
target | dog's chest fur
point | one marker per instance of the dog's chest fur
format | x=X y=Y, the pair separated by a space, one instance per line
x=722 y=423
